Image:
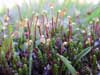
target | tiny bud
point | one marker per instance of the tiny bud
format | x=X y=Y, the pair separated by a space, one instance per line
x=5 y=23
x=42 y=39
x=6 y=18
x=97 y=19
x=33 y=12
x=87 y=41
x=30 y=42
x=37 y=14
x=83 y=31
x=77 y=13
x=45 y=11
x=89 y=33
x=59 y=11
x=73 y=23
x=77 y=29
x=47 y=25
x=91 y=22
x=5 y=36
x=65 y=43
x=98 y=65
x=38 y=24
x=48 y=67
x=69 y=17
x=48 y=41
x=4 y=28
x=51 y=5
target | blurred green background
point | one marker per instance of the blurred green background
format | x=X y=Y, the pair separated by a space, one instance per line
x=71 y=7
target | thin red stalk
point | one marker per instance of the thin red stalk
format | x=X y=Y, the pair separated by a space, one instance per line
x=92 y=27
x=47 y=28
x=52 y=22
x=70 y=31
x=61 y=51
x=84 y=36
x=78 y=19
x=97 y=28
x=43 y=23
x=10 y=45
x=57 y=19
x=19 y=12
x=29 y=31
x=91 y=40
x=78 y=73
x=9 y=50
x=35 y=29
x=8 y=13
x=52 y=28
x=43 y=19
x=40 y=31
x=49 y=55
x=31 y=19
x=47 y=32
x=47 y=18
x=96 y=24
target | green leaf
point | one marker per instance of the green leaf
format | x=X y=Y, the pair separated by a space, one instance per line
x=10 y=29
x=40 y=56
x=94 y=61
x=94 y=14
x=82 y=54
x=55 y=69
x=67 y=64
x=20 y=71
x=25 y=69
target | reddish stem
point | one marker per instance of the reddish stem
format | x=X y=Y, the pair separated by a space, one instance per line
x=52 y=22
x=9 y=51
x=47 y=18
x=47 y=32
x=91 y=40
x=70 y=31
x=84 y=35
x=40 y=31
x=57 y=18
x=49 y=55
x=43 y=23
x=19 y=12
x=35 y=29
x=28 y=29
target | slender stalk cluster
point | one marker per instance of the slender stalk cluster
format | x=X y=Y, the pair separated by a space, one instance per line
x=40 y=45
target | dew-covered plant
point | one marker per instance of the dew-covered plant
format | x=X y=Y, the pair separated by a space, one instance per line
x=41 y=45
